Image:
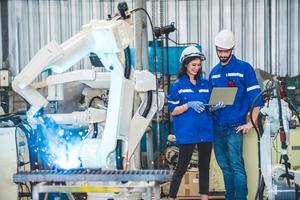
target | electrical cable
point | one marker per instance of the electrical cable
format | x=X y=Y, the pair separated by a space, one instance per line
x=17 y=149
x=27 y=188
x=95 y=131
x=261 y=183
x=10 y=115
x=127 y=63
x=93 y=99
x=95 y=125
x=251 y=111
x=181 y=44
x=21 y=193
x=258 y=141
x=118 y=156
x=28 y=137
x=282 y=135
x=23 y=125
x=5 y=116
x=259 y=134
x=149 y=103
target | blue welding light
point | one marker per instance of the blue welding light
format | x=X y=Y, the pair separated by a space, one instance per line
x=69 y=161
x=58 y=146
x=60 y=132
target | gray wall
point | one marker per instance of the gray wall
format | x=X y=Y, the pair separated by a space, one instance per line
x=33 y=23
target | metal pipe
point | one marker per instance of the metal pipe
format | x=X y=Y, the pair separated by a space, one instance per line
x=137 y=35
x=4 y=33
x=267 y=34
x=145 y=60
x=168 y=86
x=254 y=10
x=243 y=28
x=149 y=147
x=289 y=29
x=141 y=54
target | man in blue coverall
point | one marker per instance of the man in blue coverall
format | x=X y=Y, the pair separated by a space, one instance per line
x=230 y=123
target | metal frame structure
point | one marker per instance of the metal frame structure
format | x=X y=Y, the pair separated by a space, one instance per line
x=110 y=182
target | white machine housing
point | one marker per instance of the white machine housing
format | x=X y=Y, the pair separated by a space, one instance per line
x=8 y=164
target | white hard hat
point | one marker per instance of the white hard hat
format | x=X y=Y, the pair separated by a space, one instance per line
x=191 y=51
x=225 y=39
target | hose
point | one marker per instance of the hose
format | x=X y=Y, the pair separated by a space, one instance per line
x=127 y=63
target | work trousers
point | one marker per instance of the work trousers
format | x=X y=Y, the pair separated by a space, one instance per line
x=185 y=154
x=228 y=147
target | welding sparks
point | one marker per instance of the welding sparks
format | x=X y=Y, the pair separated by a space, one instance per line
x=60 y=146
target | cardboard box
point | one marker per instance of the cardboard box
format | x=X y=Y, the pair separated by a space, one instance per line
x=216 y=182
x=189 y=184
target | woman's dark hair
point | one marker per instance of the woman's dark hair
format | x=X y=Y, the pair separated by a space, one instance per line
x=183 y=69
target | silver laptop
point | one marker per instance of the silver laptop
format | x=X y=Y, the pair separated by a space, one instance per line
x=223 y=94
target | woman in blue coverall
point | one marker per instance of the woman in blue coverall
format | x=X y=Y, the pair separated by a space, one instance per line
x=192 y=122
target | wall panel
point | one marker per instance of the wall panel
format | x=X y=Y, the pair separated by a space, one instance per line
x=34 y=23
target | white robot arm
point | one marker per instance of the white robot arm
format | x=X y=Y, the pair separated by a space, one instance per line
x=90 y=77
x=89 y=116
x=22 y=81
x=277 y=117
x=105 y=38
x=144 y=82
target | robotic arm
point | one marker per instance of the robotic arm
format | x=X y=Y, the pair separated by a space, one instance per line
x=105 y=38
x=121 y=131
x=22 y=81
x=280 y=182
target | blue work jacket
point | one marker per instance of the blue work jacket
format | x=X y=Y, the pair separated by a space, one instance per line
x=240 y=74
x=190 y=126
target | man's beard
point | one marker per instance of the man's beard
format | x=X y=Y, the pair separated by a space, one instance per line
x=224 y=59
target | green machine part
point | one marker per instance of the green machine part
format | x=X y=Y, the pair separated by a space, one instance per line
x=293 y=91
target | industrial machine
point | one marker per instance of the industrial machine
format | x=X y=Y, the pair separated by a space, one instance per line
x=293 y=90
x=171 y=154
x=276 y=180
x=4 y=91
x=90 y=149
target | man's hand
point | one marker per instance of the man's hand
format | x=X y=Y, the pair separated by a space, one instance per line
x=217 y=106
x=243 y=129
x=198 y=106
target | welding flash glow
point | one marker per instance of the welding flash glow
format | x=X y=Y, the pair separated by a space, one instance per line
x=69 y=160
